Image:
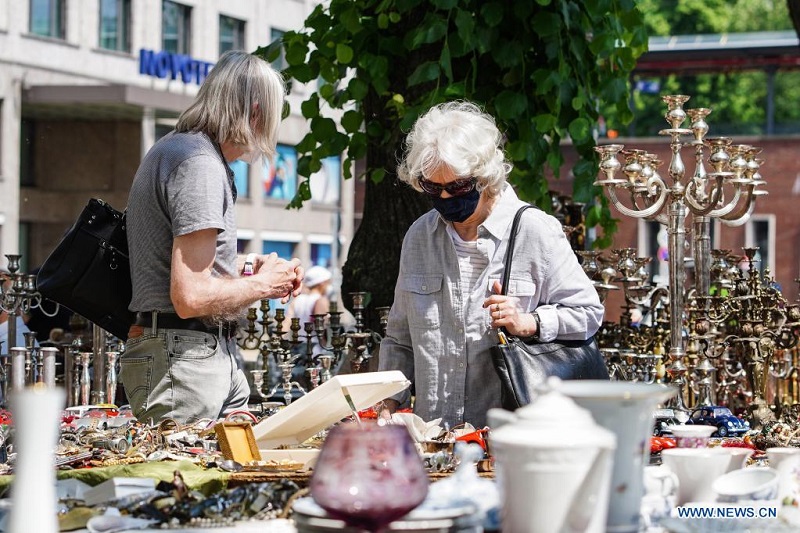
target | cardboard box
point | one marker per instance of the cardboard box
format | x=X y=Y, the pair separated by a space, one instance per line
x=324 y=406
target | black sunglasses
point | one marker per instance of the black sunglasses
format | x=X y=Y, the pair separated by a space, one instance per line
x=454 y=188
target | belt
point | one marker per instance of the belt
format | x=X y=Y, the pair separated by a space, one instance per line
x=160 y=320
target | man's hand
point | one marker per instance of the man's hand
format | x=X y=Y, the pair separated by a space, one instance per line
x=280 y=278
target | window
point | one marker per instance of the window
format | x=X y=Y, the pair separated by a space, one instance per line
x=280 y=179
x=231 y=34
x=26 y=147
x=284 y=249
x=325 y=183
x=242 y=245
x=115 y=25
x=47 y=18
x=241 y=171
x=280 y=63
x=321 y=255
x=760 y=233
x=176 y=27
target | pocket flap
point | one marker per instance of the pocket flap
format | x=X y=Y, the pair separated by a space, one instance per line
x=520 y=287
x=421 y=284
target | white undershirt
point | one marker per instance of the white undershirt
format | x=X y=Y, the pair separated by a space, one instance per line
x=471 y=262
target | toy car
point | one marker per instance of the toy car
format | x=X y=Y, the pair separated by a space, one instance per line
x=663 y=420
x=715 y=415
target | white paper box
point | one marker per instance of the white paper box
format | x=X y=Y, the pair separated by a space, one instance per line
x=118 y=487
x=326 y=405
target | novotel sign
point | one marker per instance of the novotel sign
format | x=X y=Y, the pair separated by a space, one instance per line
x=168 y=65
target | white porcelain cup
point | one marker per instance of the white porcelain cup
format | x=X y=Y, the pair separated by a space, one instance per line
x=696 y=468
x=747 y=484
x=739 y=457
x=692 y=436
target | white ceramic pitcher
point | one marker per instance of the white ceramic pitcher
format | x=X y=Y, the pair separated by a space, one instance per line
x=553 y=465
x=626 y=409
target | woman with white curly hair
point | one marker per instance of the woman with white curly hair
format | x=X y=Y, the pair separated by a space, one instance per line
x=447 y=306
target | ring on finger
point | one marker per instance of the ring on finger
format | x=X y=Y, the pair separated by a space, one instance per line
x=497 y=307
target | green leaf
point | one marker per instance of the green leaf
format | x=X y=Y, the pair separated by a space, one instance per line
x=306 y=144
x=579 y=129
x=510 y=105
x=323 y=128
x=344 y=54
x=394 y=17
x=347 y=168
x=455 y=90
x=296 y=53
x=444 y=61
x=350 y=21
x=545 y=122
x=271 y=52
x=358 y=89
x=427 y=71
x=310 y=108
x=358 y=145
x=432 y=29
x=445 y=4
x=517 y=150
x=465 y=25
x=377 y=175
x=546 y=24
x=383 y=21
x=492 y=13
x=352 y=120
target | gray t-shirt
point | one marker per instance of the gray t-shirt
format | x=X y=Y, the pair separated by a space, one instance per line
x=183 y=185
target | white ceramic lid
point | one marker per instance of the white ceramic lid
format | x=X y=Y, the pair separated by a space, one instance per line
x=326 y=405
x=554 y=419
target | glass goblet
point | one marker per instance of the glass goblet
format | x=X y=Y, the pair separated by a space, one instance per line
x=368 y=476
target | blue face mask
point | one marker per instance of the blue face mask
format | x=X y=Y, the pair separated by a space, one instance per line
x=457 y=208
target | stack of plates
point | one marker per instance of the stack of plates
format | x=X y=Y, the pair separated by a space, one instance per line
x=311 y=518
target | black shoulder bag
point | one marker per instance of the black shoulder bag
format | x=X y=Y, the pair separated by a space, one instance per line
x=523 y=364
x=89 y=271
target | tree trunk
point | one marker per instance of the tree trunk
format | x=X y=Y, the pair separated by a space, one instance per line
x=373 y=261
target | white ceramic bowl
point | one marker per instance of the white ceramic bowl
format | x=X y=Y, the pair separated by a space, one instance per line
x=747 y=484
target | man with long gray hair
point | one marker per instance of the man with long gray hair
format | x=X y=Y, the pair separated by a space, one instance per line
x=189 y=287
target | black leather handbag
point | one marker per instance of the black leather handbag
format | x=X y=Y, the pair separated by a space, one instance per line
x=89 y=272
x=523 y=364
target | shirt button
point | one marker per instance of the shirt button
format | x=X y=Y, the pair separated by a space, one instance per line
x=461 y=365
x=424 y=287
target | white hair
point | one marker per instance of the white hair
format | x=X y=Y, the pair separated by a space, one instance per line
x=460 y=136
x=240 y=102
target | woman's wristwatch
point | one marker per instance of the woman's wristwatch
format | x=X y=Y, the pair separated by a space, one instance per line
x=535 y=335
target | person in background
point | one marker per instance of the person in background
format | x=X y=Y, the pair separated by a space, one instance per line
x=447 y=307
x=315 y=300
x=189 y=288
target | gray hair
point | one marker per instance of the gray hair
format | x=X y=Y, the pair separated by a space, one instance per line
x=458 y=135
x=240 y=102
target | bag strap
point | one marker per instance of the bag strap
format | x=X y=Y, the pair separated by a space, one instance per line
x=510 y=250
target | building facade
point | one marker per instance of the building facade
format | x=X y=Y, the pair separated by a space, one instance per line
x=87 y=87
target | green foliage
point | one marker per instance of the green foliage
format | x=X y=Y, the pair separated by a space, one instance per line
x=540 y=68
x=738 y=99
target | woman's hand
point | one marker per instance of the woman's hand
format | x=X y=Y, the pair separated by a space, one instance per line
x=506 y=312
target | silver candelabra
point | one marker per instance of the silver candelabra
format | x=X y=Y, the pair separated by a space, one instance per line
x=727 y=193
